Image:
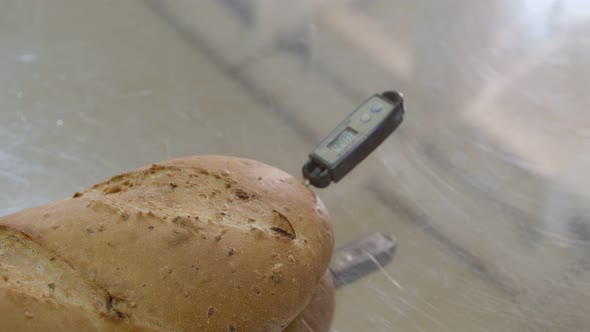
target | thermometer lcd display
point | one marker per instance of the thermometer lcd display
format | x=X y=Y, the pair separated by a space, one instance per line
x=343 y=140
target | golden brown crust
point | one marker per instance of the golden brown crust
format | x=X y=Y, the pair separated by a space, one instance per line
x=23 y=312
x=319 y=313
x=40 y=291
x=202 y=243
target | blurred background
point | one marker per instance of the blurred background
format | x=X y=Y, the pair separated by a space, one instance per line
x=485 y=185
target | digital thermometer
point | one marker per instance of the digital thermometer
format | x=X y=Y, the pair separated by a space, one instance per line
x=354 y=139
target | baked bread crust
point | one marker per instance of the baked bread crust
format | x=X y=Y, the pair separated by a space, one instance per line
x=207 y=243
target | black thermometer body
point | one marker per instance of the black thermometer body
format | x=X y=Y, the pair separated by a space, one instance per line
x=354 y=139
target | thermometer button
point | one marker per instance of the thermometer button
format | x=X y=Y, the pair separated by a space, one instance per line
x=366 y=117
x=376 y=108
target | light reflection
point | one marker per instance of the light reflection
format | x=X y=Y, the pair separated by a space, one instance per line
x=569 y=11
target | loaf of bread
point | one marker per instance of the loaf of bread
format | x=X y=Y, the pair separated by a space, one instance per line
x=193 y=244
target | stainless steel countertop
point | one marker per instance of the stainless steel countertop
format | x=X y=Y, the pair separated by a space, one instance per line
x=484 y=186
